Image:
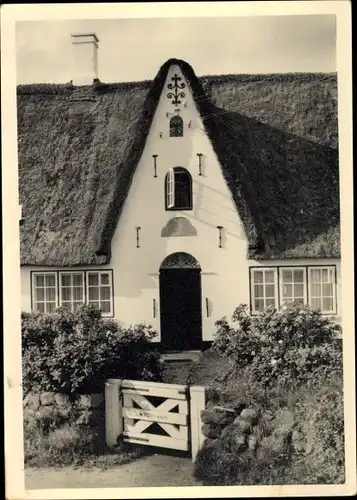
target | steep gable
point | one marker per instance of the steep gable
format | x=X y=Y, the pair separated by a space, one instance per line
x=275 y=137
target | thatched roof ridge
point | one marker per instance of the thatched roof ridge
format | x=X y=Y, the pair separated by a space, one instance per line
x=267 y=77
x=45 y=88
x=274 y=135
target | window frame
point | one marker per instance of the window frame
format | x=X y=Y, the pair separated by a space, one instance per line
x=71 y=273
x=109 y=314
x=176 y=127
x=170 y=189
x=254 y=311
x=281 y=270
x=171 y=186
x=332 y=268
x=307 y=274
x=33 y=288
x=57 y=273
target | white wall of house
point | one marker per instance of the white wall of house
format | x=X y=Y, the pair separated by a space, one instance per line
x=225 y=271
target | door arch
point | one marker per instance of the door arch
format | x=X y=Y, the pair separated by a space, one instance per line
x=180 y=302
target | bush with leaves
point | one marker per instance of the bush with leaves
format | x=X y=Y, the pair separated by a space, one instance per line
x=293 y=343
x=76 y=352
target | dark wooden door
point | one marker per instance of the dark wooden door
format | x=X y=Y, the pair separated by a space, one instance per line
x=180 y=309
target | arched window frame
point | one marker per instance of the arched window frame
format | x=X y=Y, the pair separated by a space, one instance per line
x=176 y=126
x=171 y=187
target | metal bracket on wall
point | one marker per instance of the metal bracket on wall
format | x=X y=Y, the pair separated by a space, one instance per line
x=155 y=173
x=137 y=236
x=199 y=163
x=220 y=236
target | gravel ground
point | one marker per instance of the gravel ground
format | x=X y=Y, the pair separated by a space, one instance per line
x=156 y=470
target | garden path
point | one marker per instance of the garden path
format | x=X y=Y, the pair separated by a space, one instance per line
x=155 y=470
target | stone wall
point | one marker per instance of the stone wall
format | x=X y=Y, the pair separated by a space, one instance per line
x=250 y=431
x=52 y=410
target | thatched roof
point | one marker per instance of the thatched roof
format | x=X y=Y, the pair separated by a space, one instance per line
x=274 y=135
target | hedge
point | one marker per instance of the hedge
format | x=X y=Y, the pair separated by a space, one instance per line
x=71 y=353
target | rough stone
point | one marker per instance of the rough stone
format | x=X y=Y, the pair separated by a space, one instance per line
x=249 y=414
x=277 y=443
x=252 y=442
x=47 y=414
x=210 y=431
x=26 y=398
x=229 y=428
x=298 y=441
x=268 y=421
x=84 y=418
x=212 y=395
x=216 y=417
x=84 y=401
x=29 y=414
x=267 y=415
x=211 y=443
x=284 y=419
x=62 y=399
x=210 y=405
x=33 y=401
x=243 y=425
x=238 y=408
x=64 y=412
x=47 y=398
x=238 y=439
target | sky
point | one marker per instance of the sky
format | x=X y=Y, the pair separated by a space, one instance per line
x=134 y=49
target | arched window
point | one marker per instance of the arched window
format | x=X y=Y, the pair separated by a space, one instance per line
x=176 y=126
x=178 y=189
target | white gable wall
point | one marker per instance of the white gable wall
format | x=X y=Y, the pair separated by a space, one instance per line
x=225 y=271
x=225 y=279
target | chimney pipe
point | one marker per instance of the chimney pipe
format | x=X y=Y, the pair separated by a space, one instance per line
x=85 y=52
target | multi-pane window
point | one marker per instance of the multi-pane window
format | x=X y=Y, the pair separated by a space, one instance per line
x=322 y=288
x=44 y=292
x=312 y=285
x=100 y=291
x=293 y=285
x=264 y=289
x=176 y=126
x=178 y=189
x=170 y=189
x=72 y=290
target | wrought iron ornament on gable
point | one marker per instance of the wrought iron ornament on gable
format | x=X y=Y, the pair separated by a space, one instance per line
x=176 y=86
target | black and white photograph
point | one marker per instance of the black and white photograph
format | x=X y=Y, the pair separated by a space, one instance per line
x=181 y=250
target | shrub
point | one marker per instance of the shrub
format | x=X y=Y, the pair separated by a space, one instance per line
x=75 y=352
x=284 y=363
x=317 y=411
x=293 y=343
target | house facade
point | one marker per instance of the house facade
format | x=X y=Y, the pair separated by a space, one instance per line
x=171 y=202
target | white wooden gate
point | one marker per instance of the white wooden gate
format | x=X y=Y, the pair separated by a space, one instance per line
x=132 y=407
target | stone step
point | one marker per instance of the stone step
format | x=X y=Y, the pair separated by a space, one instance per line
x=181 y=357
